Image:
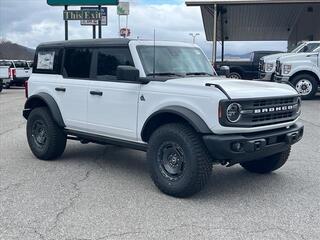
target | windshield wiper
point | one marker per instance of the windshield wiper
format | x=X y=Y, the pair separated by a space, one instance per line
x=198 y=74
x=165 y=74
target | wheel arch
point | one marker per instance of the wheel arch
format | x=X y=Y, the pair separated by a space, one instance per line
x=173 y=114
x=305 y=72
x=237 y=70
x=44 y=100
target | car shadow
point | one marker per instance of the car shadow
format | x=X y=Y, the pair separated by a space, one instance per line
x=232 y=182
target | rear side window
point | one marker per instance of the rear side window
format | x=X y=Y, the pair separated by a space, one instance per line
x=6 y=63
x=109 y=59
x=48 y=61
x=77 y=62
x=21 y=64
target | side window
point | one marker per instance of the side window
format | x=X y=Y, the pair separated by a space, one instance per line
x=77 y=62
x=109 y=59
x=48 y=61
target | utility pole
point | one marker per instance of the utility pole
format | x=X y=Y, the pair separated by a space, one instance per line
x=194 y=36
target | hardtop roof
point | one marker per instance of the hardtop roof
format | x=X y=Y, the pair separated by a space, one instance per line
x=88 y=43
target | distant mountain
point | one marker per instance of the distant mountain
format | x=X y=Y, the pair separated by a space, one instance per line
x=9 y=50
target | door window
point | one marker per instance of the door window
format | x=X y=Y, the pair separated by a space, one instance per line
x=108 y=61
x=77 y=62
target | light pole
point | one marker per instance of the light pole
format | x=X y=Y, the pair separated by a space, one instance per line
x=194 y=36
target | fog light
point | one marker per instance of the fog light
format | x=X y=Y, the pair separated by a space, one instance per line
x=237 y=147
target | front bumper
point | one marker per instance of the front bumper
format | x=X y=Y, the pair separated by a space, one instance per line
x=266 y=76
x=240 y=148
x=279 y=78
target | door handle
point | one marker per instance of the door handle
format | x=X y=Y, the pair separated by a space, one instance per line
x=96 y=93
x=60 y=89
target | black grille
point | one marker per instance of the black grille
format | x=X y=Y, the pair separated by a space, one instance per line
x=273 y=102
x=261 y=112
x=268 y=117
x=278 y=67
x=261 y=66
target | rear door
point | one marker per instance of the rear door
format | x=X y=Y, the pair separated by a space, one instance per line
x=72 y=89
x=112 y=103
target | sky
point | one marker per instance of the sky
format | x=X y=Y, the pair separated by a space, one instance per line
x=30 y=22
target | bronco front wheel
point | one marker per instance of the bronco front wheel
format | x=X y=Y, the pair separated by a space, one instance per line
x=179 y=163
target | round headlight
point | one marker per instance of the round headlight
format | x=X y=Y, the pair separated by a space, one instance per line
x=234 y=112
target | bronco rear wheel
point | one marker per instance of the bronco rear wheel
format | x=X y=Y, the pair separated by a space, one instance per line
x=46 y=139
x=268 y=164
x=179 y=163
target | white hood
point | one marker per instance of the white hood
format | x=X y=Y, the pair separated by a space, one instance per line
x=241 y=88
x=274 y=57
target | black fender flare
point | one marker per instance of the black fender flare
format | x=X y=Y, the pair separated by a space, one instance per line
x=191 y=117
x=49 y=102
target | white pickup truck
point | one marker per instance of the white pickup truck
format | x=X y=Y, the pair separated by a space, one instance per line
x=267 y=64
x=302 y=70
x=14 y=72
x=5 y=73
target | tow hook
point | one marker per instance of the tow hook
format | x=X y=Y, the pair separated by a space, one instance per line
x=293 y=137
x=256 y=145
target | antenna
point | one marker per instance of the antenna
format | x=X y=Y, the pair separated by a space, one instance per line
x=154 y=53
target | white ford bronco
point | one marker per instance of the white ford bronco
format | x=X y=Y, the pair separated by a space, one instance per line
x=163 y=98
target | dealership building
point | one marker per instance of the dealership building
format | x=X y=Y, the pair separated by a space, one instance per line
x=259 y=20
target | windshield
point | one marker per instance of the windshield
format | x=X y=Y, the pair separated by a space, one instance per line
x=306 y=48
x=179 y=61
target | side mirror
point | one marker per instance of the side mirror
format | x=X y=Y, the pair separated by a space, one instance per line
x=225 y=70
x=128 y=73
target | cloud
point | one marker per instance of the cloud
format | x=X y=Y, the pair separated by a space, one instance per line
x=31 y=22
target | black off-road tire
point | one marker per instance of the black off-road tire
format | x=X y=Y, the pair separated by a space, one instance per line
x=196 y=167
x=268 y=164
x=1 y=86
x=309 y=78
x=7 y=86
x=55 y=143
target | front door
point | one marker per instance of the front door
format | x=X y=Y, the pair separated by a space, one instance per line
x=112 y=103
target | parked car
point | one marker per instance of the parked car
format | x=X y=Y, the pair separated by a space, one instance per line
x=268 y=63
x=244 y=69
x=18 y=72
x=163 y=98
x=302 y=70
x=6 y=67
x=22 y=72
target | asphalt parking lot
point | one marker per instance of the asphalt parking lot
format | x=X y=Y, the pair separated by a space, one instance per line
x=104 y=192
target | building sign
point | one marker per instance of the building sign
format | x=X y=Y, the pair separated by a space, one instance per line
x=81 y=15
x=81 y=2
x=104 y=17
x=123 y=8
